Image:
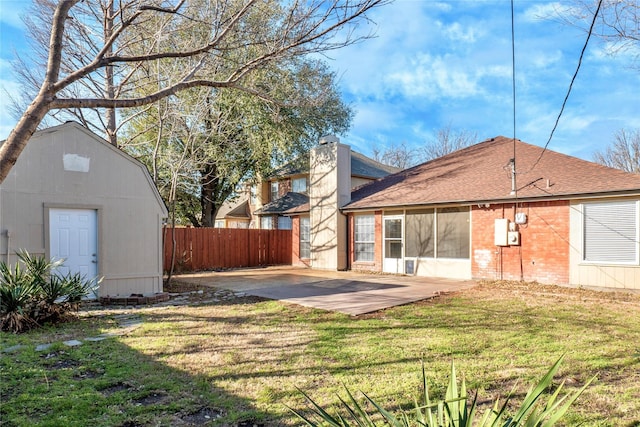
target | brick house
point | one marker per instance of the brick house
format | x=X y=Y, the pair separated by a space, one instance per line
x=557 y=219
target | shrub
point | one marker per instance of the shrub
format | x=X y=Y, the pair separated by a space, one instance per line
x=32 y=292
x=455 y=410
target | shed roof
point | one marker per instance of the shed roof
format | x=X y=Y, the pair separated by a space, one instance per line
x=76 y=127
x=481 y=173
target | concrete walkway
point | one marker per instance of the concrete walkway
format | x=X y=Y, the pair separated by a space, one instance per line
x=346 y=292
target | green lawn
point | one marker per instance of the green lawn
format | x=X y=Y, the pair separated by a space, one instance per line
x=239 y=362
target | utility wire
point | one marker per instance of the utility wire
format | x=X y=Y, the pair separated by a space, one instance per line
x=564 y=103
x=513 y=86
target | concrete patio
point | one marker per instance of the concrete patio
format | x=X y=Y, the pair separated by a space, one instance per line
x=345 y=292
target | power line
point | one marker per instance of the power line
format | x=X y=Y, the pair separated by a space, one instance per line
x=564 y=103
x=513 y=88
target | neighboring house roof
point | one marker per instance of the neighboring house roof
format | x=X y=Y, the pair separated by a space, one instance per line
x=365 y=167
x=234 y=210
x=361 y=166
x=289 y=203
x=481 y=173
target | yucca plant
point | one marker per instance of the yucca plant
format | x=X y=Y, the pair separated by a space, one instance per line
x=16 y=295
x=32 y=292
x=455 y=410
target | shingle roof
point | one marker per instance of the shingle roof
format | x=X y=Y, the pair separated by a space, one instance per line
x=481 y=172
x=234 y=210
x=361 y=166
x=289 y=202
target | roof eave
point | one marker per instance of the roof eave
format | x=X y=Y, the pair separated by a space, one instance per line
x=512 y=199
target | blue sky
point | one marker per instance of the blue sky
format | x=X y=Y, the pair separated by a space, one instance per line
x=437 y=64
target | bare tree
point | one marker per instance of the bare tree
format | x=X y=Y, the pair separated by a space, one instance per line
x=447 y=141
x=297 y=29
x=397 y=155
x=623 y=153
x=617 y=25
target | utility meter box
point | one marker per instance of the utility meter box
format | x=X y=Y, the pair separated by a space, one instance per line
x=501 y=228
x=514 y=238
x=521 y=218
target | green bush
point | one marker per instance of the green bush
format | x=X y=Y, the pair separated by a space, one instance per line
x=32 y=292
x=455 y=410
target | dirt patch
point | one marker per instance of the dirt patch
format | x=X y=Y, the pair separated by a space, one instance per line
x=119 y=386
x=177 y=286
x=202 y=416
x=150 y=399
x=88 y=374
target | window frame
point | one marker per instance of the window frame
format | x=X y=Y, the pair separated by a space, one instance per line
x=283 y=226
x=610 y=220
x=361 y=237
x=298 y=180
x=274 y=191
x=263 y=220
x=305 y=238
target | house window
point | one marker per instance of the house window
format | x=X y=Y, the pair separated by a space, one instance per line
x=220 y=223
x=611 y=232
x=364 y=237
x=284 y=223
x=420 y=233
x=274 y=191
x=266 y=223
x=305 y=238
x=453 y=233
x=254 y=195
x=299 y=185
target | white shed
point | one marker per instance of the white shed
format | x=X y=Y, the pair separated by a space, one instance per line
x=74 y=196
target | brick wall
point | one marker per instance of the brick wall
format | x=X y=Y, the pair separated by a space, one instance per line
x=376 y=264
x=543 y=254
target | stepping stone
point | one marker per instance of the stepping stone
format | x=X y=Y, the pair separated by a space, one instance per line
x=94 y=339
x=13 y=348
x=129 y=323
x=72 y=343
x=43 y=347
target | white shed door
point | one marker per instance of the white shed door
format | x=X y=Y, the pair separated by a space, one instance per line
x=74 y=238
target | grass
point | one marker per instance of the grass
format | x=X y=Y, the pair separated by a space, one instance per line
x=239 y=362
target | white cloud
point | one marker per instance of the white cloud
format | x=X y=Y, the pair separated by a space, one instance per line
x=457 y=33
x=545 y=11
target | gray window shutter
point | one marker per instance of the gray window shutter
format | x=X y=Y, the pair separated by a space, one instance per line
x=611 y=232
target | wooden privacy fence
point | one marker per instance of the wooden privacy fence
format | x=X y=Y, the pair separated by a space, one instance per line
x=211 y=248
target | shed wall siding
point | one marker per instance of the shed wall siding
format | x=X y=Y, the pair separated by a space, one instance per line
x=129 y=234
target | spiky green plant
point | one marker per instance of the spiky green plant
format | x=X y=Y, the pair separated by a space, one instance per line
x=455 y=410
x=16 y=294
x=32 y=292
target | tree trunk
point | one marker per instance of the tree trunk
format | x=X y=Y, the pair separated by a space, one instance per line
x=208 y=198
x=110 y=113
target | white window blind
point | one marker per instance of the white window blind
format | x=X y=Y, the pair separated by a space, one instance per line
x=611 y=232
